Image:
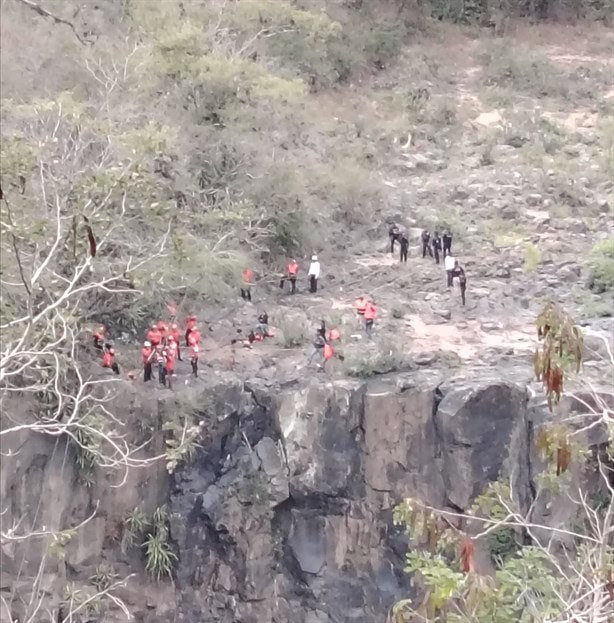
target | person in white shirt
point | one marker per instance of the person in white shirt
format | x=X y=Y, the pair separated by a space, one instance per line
x=449 y=264
x=314 y=274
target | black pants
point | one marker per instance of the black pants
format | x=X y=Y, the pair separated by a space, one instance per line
x=403 y=257
x=162 y=374
x=463 y=289
x=447 y=247
x=246 y=294
x=115 y=368
x=450 y=277
x=436 y=251
x=194 y=363
x=393 y=239
x=187 y=335
x=147 y=372
x=426 y=248
x=313 y=283
x=293 y=284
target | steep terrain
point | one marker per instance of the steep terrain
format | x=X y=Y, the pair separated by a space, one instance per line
x=282 y=511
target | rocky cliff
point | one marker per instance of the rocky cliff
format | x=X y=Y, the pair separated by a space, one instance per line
x=285 y=511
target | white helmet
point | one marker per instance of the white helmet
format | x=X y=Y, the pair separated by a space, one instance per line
x=314 y=258
x=146 y=343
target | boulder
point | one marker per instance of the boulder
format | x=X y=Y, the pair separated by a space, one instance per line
x=482 y=432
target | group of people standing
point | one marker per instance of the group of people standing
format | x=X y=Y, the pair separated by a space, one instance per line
x=162 y=348
x=434 y=246
x=290 y=276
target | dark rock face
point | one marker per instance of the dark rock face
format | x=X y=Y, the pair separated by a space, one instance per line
x=285 y=514
x=301 y=521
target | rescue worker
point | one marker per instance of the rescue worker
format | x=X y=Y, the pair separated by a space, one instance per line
x=108 y=358
x=194 y=337
x=163 y=328
x=292 y=273
x=154 y=336
x=404 y=242
x=328 y=352
x=333 y=335
x=248 y=280
x=99 y=337
x=447 y=243
x=360 y=304
x=436 y=244
x=176 y=333
x=318 y=349
x=146 y=356
x=190 y=323
x=394 y=234
x=426 y=247
x=370 y=316
x=449 y=264
x=194 y=353
x=171 y=356
x=314 y=274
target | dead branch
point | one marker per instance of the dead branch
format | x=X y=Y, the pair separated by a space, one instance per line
x=58 y=20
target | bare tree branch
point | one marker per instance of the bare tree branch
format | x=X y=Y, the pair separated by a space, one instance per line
x=58 y=20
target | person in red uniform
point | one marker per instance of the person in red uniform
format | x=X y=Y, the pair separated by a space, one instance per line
x=292 y=274
x=99 y=336
x=248 y=281
x=171 y=356
x=190 y=324
x=360 y=304
x=154 y=336
x=108 y=358
x=194 y=337
x=163 y=328
x=370 y=316
x=146 y=357
x=174 y=331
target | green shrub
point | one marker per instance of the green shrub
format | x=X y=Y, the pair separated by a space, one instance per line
x=292 y=332
x=377 y=358
x=507 y=66
x=532 y=258
x=160 y=558
x=103 y=577
x=601 y=267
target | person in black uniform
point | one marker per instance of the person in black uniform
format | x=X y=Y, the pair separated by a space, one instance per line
x=436 y=243
x=426 y=247
x=447 y=243
x=394 y=235
x=404 y=241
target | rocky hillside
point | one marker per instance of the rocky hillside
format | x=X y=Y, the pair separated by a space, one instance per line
x=270 y=485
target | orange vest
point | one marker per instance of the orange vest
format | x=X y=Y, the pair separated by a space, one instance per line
x=248 y=276
x=370 y=311
x=360 y=305
x=154 y=336
x=292 y=269
x=107 y=358
x=146 y=354
x=328 y=352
